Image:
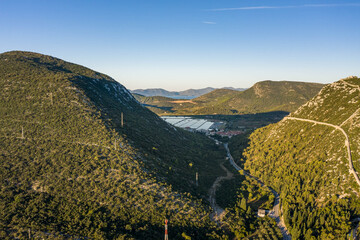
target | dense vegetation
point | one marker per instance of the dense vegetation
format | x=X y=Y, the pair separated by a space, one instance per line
x=70 y=169
x=241 y=197
x=307 y=163
x=157 y=104
x=237 y=146
x=264 y=96
x=243 y=187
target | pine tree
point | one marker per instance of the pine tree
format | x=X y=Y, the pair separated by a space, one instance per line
x=248 y=212
x=243 y=204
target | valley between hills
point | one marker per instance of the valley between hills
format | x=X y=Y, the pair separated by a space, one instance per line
x=83 y=158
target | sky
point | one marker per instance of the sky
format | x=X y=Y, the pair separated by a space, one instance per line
x=182 y=44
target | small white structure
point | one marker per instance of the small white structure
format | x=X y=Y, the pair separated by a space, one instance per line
x=261 y=212
x=188 y=123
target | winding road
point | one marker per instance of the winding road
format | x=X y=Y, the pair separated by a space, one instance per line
x=347 y=142
x=275 y=212
x=218 y=213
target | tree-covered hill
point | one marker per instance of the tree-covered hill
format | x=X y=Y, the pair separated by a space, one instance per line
x=270 y=96
x=158 y=104
x=71 y=168
x=305 y=158
x=264 y=96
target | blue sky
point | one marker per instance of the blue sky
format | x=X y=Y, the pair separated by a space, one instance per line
x=181 y=44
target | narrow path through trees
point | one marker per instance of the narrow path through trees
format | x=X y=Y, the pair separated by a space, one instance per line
x=275 y=213
x=218 y=213
x=347 y=142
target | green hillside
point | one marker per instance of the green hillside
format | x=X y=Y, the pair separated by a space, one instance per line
x=214 y=102
x=157 y=104
x=264 y=96
x=69 y=169
x=274 y=96
x=307 y=162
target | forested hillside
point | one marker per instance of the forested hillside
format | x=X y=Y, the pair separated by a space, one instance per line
x=305 y=158
x=71 y=168
x=158 y=104
x=266 y=96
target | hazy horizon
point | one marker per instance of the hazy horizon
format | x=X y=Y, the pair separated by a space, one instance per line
x=236 y=87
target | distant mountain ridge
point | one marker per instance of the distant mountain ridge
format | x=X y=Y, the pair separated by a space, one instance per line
x=265 y=96
x=190 y=93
